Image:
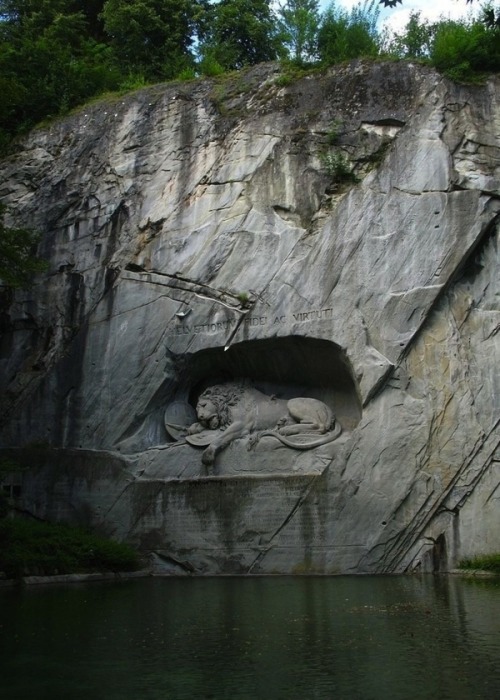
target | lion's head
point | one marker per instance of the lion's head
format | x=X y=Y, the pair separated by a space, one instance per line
x=214 y=404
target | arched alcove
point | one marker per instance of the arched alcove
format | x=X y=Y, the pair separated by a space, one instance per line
x=285 y=367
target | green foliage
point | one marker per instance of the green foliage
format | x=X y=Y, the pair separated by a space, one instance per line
x=334 y=132
x=8 y=465
x=152 y=37
x=337 y=166
x=464 y=49
x=298 y=26
x=209 y=65
x=32 y=547
x=238 y=33
x=243 y=298
x=378 y=156
x=58 y=54
x=345 y=35
x=415 y=40
x=187 y=74
x=285 y=79
x=482 y=562
x=49 y=62
x=133 y=81
x=18 y=260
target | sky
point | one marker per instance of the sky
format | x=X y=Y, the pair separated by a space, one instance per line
x=396 y=18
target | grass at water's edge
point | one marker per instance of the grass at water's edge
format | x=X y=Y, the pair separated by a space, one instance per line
x=32 y=548
x=482 y=562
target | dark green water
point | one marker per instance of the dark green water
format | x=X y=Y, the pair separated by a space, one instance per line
x=342 y=638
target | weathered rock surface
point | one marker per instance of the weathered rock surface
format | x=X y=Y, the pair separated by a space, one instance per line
x=201 y=233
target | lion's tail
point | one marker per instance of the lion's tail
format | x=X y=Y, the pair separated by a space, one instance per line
x=329 y=437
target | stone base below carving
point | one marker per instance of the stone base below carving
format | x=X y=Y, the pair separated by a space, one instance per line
x=268 y=456
x=226 y=524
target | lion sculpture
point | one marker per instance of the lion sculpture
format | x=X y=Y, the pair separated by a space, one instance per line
x=235 y=410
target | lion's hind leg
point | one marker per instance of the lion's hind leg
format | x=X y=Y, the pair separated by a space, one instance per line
x=312 y=416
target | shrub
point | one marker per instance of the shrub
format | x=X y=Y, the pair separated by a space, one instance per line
x=415 y=40
x=484 y=562
x=243 y=298
x=28 y=547
x=187 y=74
x=133 y=81
x=333 y=134
x=337 y=166
x=464 y=49
x=345 y=35
x=210 y=67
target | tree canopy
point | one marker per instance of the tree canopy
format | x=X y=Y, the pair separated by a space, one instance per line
x=237 y=33
x=298 y=22
x=56 y=54
x=151 y=37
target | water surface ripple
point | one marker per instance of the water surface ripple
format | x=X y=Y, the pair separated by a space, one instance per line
x=280 y=638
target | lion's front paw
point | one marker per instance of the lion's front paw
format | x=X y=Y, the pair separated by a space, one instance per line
x=208 y=456
x=252 y=441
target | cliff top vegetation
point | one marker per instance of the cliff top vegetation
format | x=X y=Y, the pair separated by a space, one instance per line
x=57 y=54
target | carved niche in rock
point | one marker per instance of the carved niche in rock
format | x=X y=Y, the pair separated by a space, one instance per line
x=234 y=410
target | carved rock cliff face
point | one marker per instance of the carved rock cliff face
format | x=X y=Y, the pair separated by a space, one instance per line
x=209 y=232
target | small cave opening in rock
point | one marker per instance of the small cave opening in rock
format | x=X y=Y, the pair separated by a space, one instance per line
x=287 y=367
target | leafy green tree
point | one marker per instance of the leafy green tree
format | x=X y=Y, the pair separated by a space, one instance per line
x=344 y=35
x=415 y=40
x=18 y=260
x=299 y=22
x=49 y=61
x=239 y=33
x=19 y=10
x=152 y=37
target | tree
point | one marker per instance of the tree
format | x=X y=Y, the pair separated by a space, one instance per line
x=465 y=49
x=299 y=24
x=345 y=35
x=152 y=37
x=49 y=61
x=18 y=260
x=415 y=41
x=239 y=33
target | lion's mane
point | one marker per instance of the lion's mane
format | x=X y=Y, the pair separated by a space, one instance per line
x=224 y=396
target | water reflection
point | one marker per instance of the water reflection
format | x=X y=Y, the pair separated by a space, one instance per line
x=356 y=638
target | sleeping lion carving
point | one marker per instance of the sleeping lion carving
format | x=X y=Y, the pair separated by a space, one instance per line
x=235 y=410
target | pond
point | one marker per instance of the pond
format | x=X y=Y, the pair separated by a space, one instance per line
x=338 y=638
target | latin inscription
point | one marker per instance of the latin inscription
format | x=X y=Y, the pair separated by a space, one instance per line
x=250 y=322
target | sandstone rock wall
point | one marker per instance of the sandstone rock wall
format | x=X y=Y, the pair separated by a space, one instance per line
x=204 y=232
